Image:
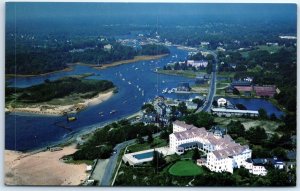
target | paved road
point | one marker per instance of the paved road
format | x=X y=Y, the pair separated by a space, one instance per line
x=212 y=89
x=109 y=170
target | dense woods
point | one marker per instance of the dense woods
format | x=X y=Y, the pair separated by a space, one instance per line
x=58 y=89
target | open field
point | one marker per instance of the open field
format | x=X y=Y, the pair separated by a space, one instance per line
x=269 y=126
x=185 y=168
x=270 y=49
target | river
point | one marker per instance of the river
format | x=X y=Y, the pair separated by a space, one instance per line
x=137 y=83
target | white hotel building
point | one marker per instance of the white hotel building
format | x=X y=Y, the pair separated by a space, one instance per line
x=223 y=154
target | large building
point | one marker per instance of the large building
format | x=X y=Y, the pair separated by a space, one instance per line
x=197 y=63
x=223 y=154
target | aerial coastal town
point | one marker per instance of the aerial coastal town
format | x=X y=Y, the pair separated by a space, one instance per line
x=134 y=104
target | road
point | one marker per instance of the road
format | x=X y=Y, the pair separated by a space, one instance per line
x=109 y=170
x=212 y=88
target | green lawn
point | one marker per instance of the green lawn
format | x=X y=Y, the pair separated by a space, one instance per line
x=157 y=142
x=185 y=168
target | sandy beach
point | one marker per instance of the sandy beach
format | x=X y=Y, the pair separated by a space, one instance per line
x=43 y=168
x=46 y=109
x=135 y=59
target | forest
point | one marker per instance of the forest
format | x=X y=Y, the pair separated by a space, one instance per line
x=58 y=89
x=42 y=55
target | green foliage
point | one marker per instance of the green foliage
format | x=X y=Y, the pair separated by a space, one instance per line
x=148 y=108
x=61 y=88
x=196 y=154
x=215 y=179
x=236 y=129
x=103 y=140
x=153 y=49
x=140 y=139
x=182 y=107
x=158 y=160
x=256 y=135
x=201 y=119
x=263 y=113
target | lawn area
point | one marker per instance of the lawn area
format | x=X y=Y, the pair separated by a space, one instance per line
x=185 y=73
x=185 y=168
x=157 y=142
x=226 y=74
x=270 y=49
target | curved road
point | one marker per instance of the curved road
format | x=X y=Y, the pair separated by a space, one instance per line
x=212 y=89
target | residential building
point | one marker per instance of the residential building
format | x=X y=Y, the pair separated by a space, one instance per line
x=108 y=47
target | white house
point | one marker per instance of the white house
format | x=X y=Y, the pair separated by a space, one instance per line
x=223 y=154
x=108 y=47
x=197 y=63
x=221 y=102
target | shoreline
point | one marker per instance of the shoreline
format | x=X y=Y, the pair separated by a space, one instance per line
x=71 y=66
x=59 y=110
x=68 y=69
x=135 y=59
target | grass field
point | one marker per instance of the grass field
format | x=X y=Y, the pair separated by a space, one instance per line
x=270 y=49
x=185 y=168
x=157 y=142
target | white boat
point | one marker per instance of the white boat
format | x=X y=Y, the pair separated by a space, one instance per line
x=136 y=68
x=123 y=79
x=129 y=83
x=165 y=90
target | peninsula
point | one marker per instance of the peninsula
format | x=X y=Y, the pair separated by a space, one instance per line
x=68 y=94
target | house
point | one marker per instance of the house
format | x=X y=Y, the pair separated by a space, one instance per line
x=256 y=166
x=201 y=162
x=108 y=47
x=223 y=154
x=183 y=87
x=200 y=79
x=222 y=102
x=267 y=90
x=240 y=83
x=149 y=118
x=218 y=131
x=197 y=63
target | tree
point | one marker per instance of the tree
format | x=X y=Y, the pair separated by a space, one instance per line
x=215 y=103
x=235 y=91
x=140 y=139
x=256 y=135
x=273 y=117
x=279 y=152
x=197 y=101
x=262 y=113
x=158 y=160
x=236 y=129
x=150 y=138
x=148 y=108
x=182 y=107
x=196 y=154
x=164 y=135
x=201 y=119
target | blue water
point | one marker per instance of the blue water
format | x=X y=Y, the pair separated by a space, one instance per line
x=144 y=155
x=256 y=104
x=27 y=132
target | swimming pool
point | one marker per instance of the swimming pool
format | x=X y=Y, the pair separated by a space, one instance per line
x=144 y=155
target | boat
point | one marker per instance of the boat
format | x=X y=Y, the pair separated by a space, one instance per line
x=100 y=113
x=113 y=111
x=129 y=83
x=136 y=68
x=72 y=118
x=140 y=89
x=165 y=90
x=123 y=79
